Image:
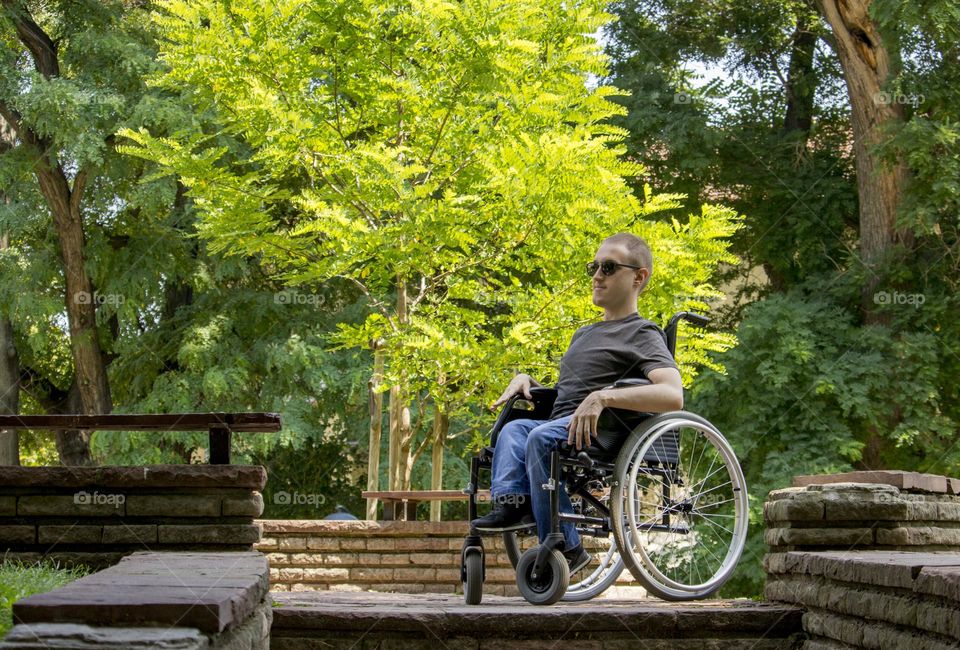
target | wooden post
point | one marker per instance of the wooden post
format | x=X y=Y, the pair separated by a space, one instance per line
x=376 y=429
x=220 y=445
x=441 y=423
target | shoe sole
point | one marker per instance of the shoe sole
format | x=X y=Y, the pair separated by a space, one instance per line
x=578 y=567
x=520 y=525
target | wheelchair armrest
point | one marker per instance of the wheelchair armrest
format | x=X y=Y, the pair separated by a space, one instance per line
x=542 y=399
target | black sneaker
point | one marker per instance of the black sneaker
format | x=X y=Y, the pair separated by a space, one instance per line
x=506 y=515
x=577 y=558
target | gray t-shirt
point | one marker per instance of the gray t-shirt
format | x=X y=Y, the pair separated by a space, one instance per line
x=603 y=352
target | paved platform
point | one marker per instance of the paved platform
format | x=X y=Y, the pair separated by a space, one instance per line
x=207 y=591
x=359 y=620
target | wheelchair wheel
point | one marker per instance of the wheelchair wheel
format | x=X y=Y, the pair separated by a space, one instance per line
x=512 y=545
x=473 y=587
x=679 y=506
x=589 y=585
x=550 y=585
x=584 y=585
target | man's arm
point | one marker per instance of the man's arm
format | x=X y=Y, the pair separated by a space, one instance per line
x=664 y=393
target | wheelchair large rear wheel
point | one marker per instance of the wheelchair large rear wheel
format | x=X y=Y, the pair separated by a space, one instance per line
x=679 y=506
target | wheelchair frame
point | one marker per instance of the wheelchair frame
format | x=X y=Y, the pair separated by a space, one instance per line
x=582 y=468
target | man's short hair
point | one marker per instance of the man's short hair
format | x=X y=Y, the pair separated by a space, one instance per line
x=638 y=251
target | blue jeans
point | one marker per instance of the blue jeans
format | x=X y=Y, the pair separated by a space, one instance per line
x=521 y=461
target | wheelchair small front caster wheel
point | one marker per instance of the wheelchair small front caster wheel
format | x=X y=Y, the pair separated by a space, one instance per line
x=548 y=587
x=473 y=571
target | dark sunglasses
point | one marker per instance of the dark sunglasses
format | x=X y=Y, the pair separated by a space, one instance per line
x=609 y=267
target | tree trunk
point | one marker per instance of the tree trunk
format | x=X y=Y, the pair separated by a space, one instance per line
x=9 y=387
x=441 y=424
x=64 y=198
x=866 y=64
x=801 y=81
x=376 y=427
x=9 y=363
x=73 y=446
x=400 y=429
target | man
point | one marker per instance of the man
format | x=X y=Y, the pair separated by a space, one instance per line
x=621 y=345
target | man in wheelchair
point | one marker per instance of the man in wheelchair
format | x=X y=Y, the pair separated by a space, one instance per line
x=622 y=345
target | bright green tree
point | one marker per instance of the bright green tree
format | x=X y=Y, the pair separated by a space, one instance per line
x=448 y=159
x=178 y=328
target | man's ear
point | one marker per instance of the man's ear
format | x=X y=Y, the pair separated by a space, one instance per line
x=642 y=275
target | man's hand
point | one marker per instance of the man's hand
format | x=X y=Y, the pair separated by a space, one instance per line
x=583 y=424
x=519 y=385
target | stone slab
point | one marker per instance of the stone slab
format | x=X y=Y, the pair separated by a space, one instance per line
x=252 y=477
x=173 y=505
x=208 y=534
x=61 y=535
x=13 y=535
x=130 y=534
x=53 y=636
x=251 y=506
x=880 y=568
x=215 y=591
x=366 y=528
x=899 y=479
x=70 y=505
x=941 y=581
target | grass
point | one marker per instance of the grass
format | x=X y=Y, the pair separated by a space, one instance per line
x=18 y=580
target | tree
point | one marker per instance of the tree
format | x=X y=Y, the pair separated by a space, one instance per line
x=64 y=196
x=448 y=160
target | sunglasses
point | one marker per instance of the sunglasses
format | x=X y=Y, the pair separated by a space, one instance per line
x=609 y=267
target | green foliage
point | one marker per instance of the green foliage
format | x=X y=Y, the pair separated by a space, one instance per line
x=451 y=149
x=19 y=580
x=183 y=329
x=818 y=399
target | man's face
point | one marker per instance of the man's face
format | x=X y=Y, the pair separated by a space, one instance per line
x=623 y=285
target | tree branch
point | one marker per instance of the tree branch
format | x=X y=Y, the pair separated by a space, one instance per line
x=41 y=46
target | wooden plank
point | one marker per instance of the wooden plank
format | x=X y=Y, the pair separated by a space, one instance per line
x=424 y=495
x=237 y=422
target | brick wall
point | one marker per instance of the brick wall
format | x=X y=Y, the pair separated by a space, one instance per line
x=96 y=515
x=398 y=556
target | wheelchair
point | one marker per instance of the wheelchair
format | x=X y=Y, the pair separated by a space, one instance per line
x=662 y=493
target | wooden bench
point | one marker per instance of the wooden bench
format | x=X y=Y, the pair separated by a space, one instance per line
x=401 y=505
x=220 y=425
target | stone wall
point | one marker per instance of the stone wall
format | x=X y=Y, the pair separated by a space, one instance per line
x=874 y=564
x=871 y=599
x=847 y=515
x=96 y=515
x=153 y=601
x=398 y=556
